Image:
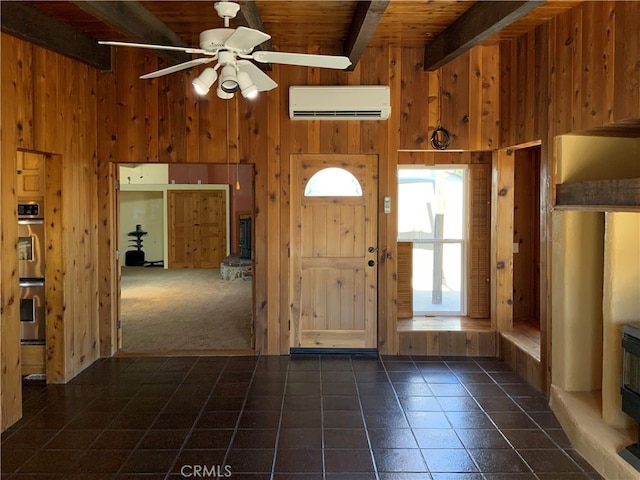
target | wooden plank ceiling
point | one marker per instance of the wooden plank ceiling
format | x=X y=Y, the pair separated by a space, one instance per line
x=324 y=26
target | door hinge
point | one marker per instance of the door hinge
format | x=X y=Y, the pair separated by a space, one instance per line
x=289 y=324
x=289 y=178
x=288 y=252
x=117 y=184
x=118 y=325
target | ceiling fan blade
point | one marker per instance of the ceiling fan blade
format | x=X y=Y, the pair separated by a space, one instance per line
x=261 y=79
x=156 y=47
x=178 y=67
x=302 y=59
x=245 y=39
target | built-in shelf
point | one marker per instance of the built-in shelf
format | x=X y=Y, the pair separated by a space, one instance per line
x=622 y=194
x=443 y=324
x=526 y=337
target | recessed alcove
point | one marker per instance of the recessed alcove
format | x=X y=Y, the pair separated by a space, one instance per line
x=595 y=281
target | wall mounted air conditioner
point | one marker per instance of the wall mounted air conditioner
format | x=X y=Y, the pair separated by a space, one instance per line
x=348 y=102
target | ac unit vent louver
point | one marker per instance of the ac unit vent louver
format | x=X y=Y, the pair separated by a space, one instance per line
x=349 y=102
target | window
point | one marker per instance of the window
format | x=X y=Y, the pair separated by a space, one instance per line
x=333 y=182
x=432 y=215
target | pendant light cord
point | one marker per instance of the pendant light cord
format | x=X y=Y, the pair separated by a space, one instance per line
x=440 y=138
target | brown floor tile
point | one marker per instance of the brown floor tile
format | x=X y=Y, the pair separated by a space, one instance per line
x=100 y=461
x=399 y=460
x=292 y=461
x=149 y=461
x=346 y=461
x=345 y=438
x=448 y=460
x=300 y=438
x=291 y=418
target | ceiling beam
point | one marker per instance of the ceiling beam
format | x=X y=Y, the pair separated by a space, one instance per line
x=363 y=26
x=134 y=21
x=473 y=27
x=40 y=29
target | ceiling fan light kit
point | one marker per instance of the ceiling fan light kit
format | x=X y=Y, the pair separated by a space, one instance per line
x=205 y=80
x=222 y=94
x=228 y=79
x=232 y=48
x=247 y=87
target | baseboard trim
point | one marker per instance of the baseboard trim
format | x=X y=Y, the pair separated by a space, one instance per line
x=369 y=352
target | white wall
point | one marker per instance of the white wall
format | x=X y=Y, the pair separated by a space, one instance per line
x=145 y=209
x=135 y=174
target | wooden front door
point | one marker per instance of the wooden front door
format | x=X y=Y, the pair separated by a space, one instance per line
x=334 y=251
x=197 y=228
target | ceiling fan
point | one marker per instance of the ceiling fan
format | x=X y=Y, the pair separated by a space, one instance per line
x=232 y=48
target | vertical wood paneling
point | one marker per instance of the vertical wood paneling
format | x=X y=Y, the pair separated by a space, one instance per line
x=586 y=75
x=12 y=114
x=107 y=214
x=626 y=81
x=46 y=88
x=597 y=64
x=414 y=118
x=171 y=119
x=56 y=356
x=57 y=102
x=502 y=240
x=455 y=101
x=448 y=343
x=277 y=174
x=475 y=96
x=129 y=63
x=153 y=117
x=387 y=223
x=526 y=228
x=507 y=99
x=490 y=109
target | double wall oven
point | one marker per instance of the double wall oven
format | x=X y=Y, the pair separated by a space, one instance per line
x=31 y=248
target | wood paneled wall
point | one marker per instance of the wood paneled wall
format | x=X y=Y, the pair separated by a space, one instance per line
x=574 y=72
x=164 y=121
x=49 y=105
x=577 y=71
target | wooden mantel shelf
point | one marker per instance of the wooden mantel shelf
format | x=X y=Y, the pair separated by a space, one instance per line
x=621 y=194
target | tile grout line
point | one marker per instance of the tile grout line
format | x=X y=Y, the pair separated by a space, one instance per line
x=195 y=421
x=277 y=442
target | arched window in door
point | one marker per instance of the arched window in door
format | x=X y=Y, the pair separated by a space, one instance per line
x=333 y=182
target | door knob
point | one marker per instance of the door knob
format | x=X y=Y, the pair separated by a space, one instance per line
x=371 y=263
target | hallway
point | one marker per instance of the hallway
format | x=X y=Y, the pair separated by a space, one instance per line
x=290 y=418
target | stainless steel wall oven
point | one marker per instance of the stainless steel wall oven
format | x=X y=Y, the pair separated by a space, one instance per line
x=31 y=248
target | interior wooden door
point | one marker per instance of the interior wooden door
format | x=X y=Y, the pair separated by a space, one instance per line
x=197 y=228
x=334 y=251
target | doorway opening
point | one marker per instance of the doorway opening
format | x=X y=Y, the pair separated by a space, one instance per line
x=526 y=206
x=179 y=229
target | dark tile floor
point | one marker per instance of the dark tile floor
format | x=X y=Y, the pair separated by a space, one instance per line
x=281 y=418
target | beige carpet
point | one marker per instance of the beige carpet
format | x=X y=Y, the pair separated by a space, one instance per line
x=184 y=309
